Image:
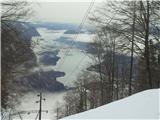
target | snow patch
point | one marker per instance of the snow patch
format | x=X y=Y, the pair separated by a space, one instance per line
x=143 y=105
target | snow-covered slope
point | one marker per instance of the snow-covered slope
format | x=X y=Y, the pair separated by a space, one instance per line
x=143 y=105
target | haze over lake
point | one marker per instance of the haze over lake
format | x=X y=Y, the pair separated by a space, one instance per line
x=56 y=44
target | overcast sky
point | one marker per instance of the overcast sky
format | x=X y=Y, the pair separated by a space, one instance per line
x=64 y=12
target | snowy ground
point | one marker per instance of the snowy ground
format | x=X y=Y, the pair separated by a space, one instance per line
x=143 y=105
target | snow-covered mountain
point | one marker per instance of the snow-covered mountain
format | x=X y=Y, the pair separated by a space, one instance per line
x=143 y=105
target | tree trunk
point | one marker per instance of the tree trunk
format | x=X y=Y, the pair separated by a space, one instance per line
x=132 y=51
x=147 y=51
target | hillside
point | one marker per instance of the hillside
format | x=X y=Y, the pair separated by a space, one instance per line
x=17 y=56
x=54 y=26
x=18 y=61
x=143 y=105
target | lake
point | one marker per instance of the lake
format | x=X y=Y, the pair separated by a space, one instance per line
x=72 y=61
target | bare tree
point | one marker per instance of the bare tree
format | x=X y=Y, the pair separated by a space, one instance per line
x=132 y=50
x=12 y=11
x=133 y=29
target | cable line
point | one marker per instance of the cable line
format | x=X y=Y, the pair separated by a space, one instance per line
x=76 y=36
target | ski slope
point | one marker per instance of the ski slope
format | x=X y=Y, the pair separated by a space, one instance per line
x=143 y=105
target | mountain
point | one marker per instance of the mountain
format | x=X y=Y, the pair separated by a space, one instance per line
x=70 y=28
x=42 y=81
x=31 y=80
x=55 y=26
x=121 y=60
x=85 y=46
x=72 y=31
x=17 y=57
x=16 y=45
x=143 y=105
x=49 y=57
x=18 y=61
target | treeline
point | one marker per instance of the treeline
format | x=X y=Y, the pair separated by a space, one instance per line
x=127 y=58
x=16 y=51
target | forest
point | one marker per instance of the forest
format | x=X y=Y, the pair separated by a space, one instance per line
x=126 y=54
